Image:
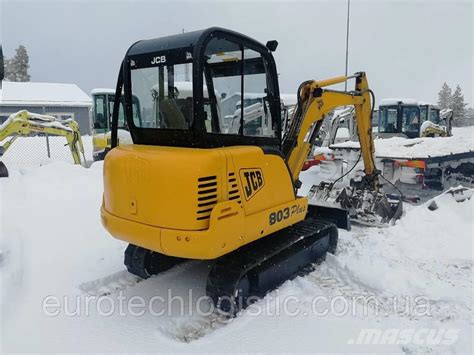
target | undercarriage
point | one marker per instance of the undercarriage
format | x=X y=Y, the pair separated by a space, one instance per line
x=242 y=277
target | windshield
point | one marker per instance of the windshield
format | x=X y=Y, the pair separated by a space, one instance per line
x=410 y=119
x=238 y=76
x=100 y=113
x=166 y=100
x=424 y=113
x=434 y=116
x=388 y=119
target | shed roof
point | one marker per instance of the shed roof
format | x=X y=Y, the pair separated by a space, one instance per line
x=41 y=94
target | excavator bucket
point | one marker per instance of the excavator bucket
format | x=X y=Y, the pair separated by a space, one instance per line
x=365 y=206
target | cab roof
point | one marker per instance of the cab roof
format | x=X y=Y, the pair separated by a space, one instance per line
x=184 y=40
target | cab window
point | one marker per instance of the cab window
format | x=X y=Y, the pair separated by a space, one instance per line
x=236 y=97
x=166 y=100
x=434 y=116
x=257 y=116
x=100 y=113
x=122 y=124
x=424 y=113
x=410 y=119
x=388 y=119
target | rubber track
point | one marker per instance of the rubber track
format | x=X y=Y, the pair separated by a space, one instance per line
x=229 y=269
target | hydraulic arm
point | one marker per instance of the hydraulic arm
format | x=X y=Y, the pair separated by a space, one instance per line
x=314 y=102
x=23 y=123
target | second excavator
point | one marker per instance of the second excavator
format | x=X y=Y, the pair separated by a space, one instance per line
x=187 y=189
x=24 y=123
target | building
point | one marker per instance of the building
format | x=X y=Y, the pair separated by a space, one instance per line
x=60 y=100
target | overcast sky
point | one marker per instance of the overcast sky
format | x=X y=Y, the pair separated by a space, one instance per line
x=407 y=48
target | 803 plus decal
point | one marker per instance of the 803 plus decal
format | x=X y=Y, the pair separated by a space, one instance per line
x=285 y=213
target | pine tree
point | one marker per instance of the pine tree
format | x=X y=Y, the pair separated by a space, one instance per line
x=16 y=69
x=444 y=96
x=457 y=103
x=7 y=68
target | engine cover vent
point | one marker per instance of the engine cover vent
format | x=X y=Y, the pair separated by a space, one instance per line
x=207 y=196
x=233 y=188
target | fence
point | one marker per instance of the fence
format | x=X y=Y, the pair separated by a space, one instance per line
x=38 y=150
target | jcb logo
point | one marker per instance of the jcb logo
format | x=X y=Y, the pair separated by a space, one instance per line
x=252 y=181
x=158 y=60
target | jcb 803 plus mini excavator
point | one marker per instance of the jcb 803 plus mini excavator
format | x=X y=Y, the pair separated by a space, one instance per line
x=187 y=189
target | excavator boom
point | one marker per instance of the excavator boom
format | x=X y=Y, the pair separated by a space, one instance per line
x=365 y=203
x=314 y=102
x=23 y=123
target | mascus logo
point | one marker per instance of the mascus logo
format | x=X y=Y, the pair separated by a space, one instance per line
x=252 y=181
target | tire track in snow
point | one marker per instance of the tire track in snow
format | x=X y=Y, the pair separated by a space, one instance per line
x=337 y=279
x=110 y=284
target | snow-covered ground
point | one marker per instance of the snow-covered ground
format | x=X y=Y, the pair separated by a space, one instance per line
x=404 y=289
x=27 y=152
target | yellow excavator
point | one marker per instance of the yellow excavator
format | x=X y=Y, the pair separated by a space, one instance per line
x=185 y=189
x=24 y=123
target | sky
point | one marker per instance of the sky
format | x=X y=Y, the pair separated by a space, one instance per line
x=407 y=48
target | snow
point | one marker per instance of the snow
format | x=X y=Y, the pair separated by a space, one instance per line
x=395 y=101
x=124 y=136
x=102 y=91
x=403 y=148
x=52 y=244
x=31 y=93
x=28 y=152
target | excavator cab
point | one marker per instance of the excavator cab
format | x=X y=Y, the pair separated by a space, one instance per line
x=223 y=63
x=411 y=119
x=399 y=118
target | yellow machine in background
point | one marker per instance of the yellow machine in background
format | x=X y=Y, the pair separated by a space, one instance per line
x=24 y=123
x=412 y=119
x=103 y=102
x=186 y=189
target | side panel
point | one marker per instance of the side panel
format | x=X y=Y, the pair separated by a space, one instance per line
x=196 y=203
x=163 y=186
